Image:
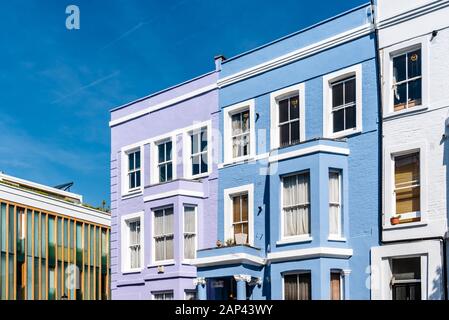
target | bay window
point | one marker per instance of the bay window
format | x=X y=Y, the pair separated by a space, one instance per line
x=166 y=295
x=406 y=278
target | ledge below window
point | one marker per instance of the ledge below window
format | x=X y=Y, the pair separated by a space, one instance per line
x=132 y=194
x=336 y=239
x=161 y=263
x=293 y=240
x=404 y=225
x=132 y=271
x=405 y=112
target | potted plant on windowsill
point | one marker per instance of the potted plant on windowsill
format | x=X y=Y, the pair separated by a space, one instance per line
x=395 y=220
x=240 y=238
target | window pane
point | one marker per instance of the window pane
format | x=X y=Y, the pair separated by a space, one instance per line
x=337 y=95
x=236 y=147
x=294 y=108
x=132 y=180
x=407 y=183
x=414 y=64
x=285 y=135
x=350 y=91
x=204 y=140
x=137 y=179
x=169 y=171
x=204 y=166
x=131 y=161
x=168 y=151
x=399 y=68
x=294 y=132
x=162 y=175
x=161 y=152
x=195 y=165
x=245 y=121
x=236 y=124
x=338 y=120
x=246 y=146
x=350 y=117
x=194 y=140
x=400 y=97
x=414 y=93
x=236 y=209
x=245 y=207
x=283 y=111
x=137 y=159
x=407 y=268
x=290 y=287
x=335 y=286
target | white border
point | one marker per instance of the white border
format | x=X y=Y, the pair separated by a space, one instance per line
x=124 y=239
x=126 y=191
x=275 y=97
x=227 y=129
x=328 y=79
x=389 y=182
x=228 y=193
x=387 y=74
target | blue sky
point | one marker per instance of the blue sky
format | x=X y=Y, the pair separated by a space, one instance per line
x=57 y=86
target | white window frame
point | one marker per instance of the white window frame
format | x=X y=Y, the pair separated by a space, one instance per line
x=328 y=80
x=154 y=155
x=431 y=255
x=155 y=262
x=342 y=284
x=298 y=238
x=227 y=115
x=341 y=236
x=125 y=187
x=389 y=187
x=297 y=272
x=187 y=146
x=185 y=260
x=164 y=292
x=275 y=97
x=228 y=214
x=387 y=73
x=124 y=237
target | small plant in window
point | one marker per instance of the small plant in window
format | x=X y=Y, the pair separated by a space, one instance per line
x=219 y=244
x=230 y=242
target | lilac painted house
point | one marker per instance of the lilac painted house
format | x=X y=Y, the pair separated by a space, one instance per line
x=163 y=190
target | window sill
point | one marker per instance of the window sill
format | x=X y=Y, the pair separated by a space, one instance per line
x=390 y=226
x=188 y=261
x=200 y=176
x=161 y=263
x=345 y=133
x=405 y=112
x=293 y=240
x=132 y=271
x=336 y=239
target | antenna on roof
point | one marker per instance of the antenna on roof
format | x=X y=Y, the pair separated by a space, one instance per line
x=65 y=186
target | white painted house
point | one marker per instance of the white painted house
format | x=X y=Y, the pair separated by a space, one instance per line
x=413 y=40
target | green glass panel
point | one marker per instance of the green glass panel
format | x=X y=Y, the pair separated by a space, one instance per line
x=30 y=233
x=30 y=278
x=51 y=241
x=79 y=245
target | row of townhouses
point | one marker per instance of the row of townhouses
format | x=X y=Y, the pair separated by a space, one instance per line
x=312 y=167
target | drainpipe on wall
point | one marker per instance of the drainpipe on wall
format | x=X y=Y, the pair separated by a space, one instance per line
x=380 y=117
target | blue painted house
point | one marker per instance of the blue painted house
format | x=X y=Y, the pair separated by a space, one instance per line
x=298 y=191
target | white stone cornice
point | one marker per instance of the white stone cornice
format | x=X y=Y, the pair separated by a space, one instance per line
x=242 y=277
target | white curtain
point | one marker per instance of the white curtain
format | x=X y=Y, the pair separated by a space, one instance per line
x=189 y=232
x=296 y=205
x=134 y=244
x=168 y=232
x=158 y=234
x=334 y=204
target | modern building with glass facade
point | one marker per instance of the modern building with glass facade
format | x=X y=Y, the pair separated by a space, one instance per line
x=52 y=246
